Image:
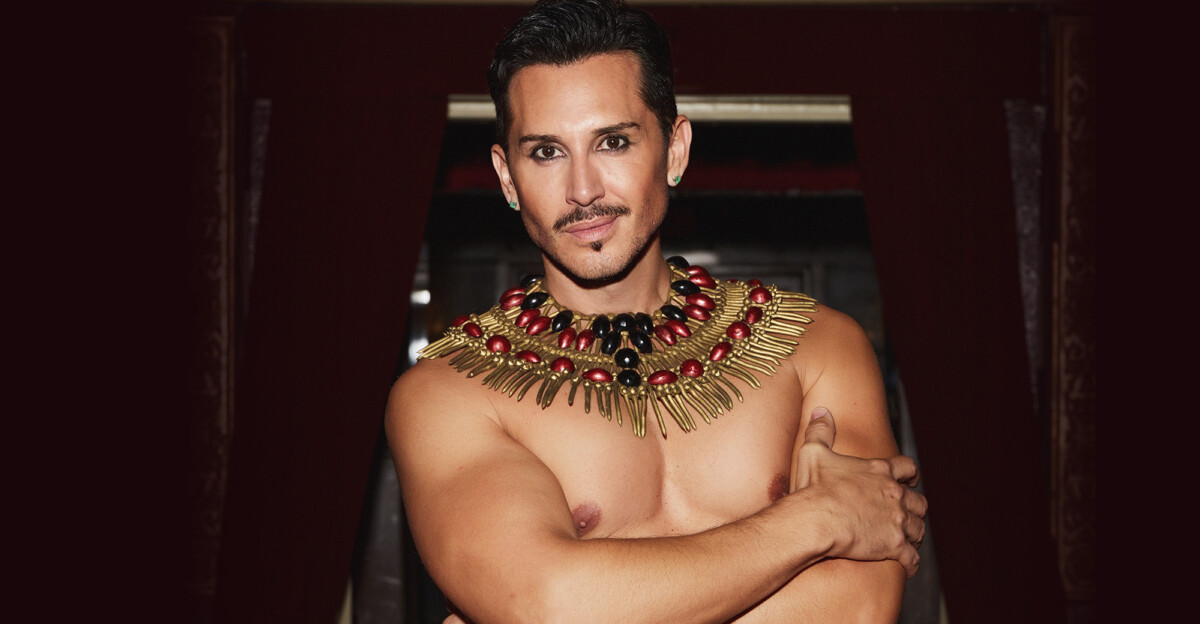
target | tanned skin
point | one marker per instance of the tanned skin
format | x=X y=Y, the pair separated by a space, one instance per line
x=769 y=514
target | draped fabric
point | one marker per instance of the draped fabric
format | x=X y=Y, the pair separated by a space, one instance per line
x=347 y=183
x=943 y=230
x=358 y=106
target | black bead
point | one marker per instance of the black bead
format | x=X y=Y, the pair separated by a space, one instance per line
x=562 y=320
x=610 y=343
x=530 y=280
x=674 y=313
x=534 y=300
x=623 y=322
x=644 y=323
x=627 y=358
x=684 y=287
x=641 y=341
x=678 y=262
x=629 y=378
x=601 y=327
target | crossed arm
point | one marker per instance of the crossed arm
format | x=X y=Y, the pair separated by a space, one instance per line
x=494 y=529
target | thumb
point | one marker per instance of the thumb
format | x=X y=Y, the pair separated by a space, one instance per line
x=821 y=428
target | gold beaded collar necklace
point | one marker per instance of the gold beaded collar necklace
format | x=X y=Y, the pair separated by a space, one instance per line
x=679 y=360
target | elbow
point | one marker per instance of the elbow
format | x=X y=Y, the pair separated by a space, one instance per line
x=535 y=595
x=882 y=605
x=877 y=609
x=563 y=599
x=865 y=592
x=569 y=591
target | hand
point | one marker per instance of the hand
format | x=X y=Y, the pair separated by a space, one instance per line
x=878 y=514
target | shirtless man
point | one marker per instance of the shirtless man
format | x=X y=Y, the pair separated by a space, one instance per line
x=552 y=473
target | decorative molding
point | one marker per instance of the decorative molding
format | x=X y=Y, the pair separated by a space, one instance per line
x=757 y=108
x=1073 y=353
x=212 y=277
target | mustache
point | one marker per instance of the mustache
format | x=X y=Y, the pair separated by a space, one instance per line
x=591 y=212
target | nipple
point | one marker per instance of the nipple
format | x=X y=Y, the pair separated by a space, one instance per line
x=778 y=487
x=585 y=516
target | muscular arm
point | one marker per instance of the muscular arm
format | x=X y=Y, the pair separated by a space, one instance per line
x=839 y=371
x=493 y=527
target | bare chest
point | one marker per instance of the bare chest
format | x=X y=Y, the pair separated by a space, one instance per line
x=619 y=485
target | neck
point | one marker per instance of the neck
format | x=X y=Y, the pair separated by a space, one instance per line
x=643 y=288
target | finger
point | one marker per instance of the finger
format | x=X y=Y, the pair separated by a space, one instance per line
x=904 y=470
x=821 y=428
x=916 y=503
x=914 y=530
x=911 y=560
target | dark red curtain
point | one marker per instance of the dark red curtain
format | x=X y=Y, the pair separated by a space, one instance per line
x=357 y=111
x=347 y=184
x=943 y=230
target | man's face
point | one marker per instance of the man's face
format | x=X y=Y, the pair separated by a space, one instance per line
x=586 y=163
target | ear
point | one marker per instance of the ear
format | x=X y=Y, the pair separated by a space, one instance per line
x=678 y=148
x=500 y=164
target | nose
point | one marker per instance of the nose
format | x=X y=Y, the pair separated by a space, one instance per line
x=586 y=184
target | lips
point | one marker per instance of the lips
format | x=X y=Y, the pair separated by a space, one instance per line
x=587 y=231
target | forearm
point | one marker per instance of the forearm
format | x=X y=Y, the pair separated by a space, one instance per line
x=835 y=590
x=710 y=576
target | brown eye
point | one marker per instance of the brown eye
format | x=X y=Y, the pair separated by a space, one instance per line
x=545 y=152
x=614 y=142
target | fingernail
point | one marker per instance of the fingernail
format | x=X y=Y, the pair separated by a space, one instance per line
x=820 y=412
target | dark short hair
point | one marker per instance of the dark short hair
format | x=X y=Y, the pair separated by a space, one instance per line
x=562 y=32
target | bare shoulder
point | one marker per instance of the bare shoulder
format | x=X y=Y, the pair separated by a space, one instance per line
x=833 y=338
x=433 y=399
x=428 y=381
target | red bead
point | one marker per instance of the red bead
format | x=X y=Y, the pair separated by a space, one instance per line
x=511 y=301
x=562 y=365
x=539 y=325
x=472 y=330
x=598 y=375
x=662 y=377
x=759 y=295
x=498 y=344
x=679 y=328
x=752 y=283
x=566 y=338
x=585 y=340
x=527 y=317
x=664 y=334
x=696 y=312
x=720 y=350
x=691 y=368
x=528 y=356
x=754 y=315
x=515 y=290
x=694 y=269
x=702 y=300
x=459 y=320
x=703 y=279
x=738 y=330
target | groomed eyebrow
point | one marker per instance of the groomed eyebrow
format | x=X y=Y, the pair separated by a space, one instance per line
x=550 y=138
